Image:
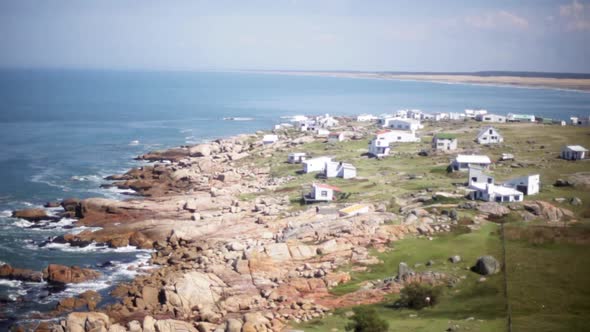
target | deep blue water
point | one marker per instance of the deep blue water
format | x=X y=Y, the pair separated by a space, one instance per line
x=61 y=132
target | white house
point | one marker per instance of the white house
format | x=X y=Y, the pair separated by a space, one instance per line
x=335 y=137
x=402 y=114
x=307 y=126
x=385 y=121
x=415 y=114
x=441 y=116
x=512 y=117
x=472 y=113
x=296 y=157
x=528 y=185
x=379 y=145
x=489 y=135
x=405 y=124
x=463 y=162
x=326 y=121
x=339 y=169
x=315 y=164
x=573 y=152
x=490 y=118
x=580 y=120
x=366 y=118
x=270 y=139
x=484 y=188
x=444 y=142
x=320 y=132
x=320 y=193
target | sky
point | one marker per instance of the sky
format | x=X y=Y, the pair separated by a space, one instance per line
x=363 y=35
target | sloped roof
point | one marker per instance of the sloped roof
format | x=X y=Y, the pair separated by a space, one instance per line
x=485 y=129
x=577 y=148
x=326 y=186
x=445 y=136
x=473 y=158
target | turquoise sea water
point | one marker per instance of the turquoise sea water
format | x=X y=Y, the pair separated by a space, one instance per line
x=62 y=132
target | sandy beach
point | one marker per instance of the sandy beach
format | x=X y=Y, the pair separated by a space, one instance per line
x=578 y=84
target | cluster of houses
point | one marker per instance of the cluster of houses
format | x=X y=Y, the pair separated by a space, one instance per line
x=402 y=127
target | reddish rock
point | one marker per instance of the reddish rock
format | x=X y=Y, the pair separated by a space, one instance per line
x=8 y=272
x=68 y=274
x=32 y=214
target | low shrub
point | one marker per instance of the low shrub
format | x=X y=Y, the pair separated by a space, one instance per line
x=418 y=296
x=365 y=319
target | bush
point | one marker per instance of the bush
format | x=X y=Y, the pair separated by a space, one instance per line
x=418 y=296
x=365 y=319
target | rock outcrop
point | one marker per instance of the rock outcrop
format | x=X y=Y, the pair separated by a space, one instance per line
x=68 y=274
x=8 y=272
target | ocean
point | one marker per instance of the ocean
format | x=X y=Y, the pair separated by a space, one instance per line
x=63 y=131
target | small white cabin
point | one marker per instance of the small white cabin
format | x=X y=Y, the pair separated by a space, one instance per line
x=574 y=152
x=472 y=113
x=379 y=146
x=322 y=132
x=326 y=121
x=512 y=117
x=315 y=164
x=463 y=162
x=491 y=118
x=489 y=135
x=444 y=142
x=321 y=192
x=335 y=137
x=339 y=169
x=270 y=139
x=296 y=157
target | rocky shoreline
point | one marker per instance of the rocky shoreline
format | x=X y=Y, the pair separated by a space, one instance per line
x=224 y=263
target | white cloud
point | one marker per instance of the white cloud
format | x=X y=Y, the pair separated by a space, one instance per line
x=497 y=20
x=576 y=16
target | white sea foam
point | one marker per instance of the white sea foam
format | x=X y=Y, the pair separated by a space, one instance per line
x=10 y=283
x=22 y=223
x=87 y=178
x=134 y=142
x=6 y=213
x=78 y=230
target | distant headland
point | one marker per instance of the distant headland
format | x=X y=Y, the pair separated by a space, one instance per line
x=566 y=81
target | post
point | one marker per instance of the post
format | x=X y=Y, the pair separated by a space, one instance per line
x=508 y=308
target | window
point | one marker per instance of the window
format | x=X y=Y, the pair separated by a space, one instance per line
x=490 y=180
x=324 y=193
x=491 y=131
x=474 y=179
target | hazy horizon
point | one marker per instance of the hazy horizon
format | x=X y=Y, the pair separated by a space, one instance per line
x=330 y=35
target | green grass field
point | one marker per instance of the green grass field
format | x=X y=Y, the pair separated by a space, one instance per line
x=548 y=280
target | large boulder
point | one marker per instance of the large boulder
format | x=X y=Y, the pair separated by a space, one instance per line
x=548 y=211
x=32 y=214
x=62 y=274
x=487 y=265
x=8 y=272
x=87 y=321
x=192 y=289
x=493 y=208
x=171 y=325
x=201 y=150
